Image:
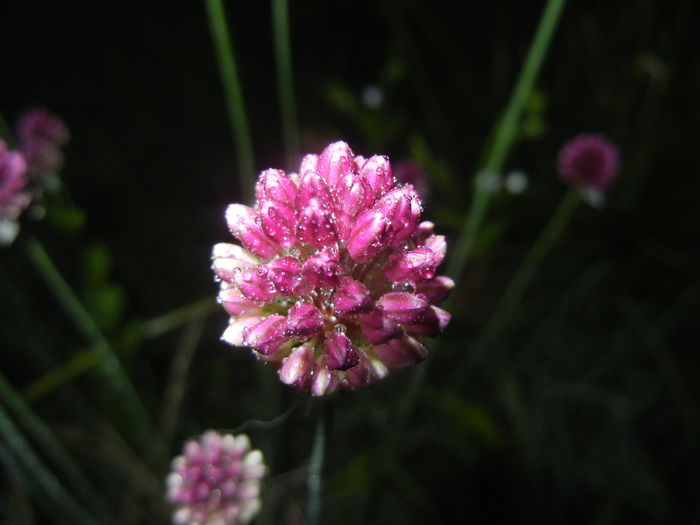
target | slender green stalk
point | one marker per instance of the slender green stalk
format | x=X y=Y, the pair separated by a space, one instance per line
x=51 y=446
x=108 y=363
x=314 y=481
x=519 y=284
x=37 y=471
x=60 y=375
x=285 y=82
x=177 y=378
x=176 y=318
x=233 y=94
x=5 y=132
x=504 y=135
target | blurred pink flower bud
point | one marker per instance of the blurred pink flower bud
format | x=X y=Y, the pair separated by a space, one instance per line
x=216 y=480
x=41 y=135
x=588 y=161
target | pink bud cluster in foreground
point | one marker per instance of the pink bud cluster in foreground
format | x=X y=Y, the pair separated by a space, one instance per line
x=14 y=196
x=335 y=282
x=588 y=161
x=216 y=481
x=41 y=136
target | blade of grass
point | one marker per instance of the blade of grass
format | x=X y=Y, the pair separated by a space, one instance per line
x=233 y=94
x=514 y=293
x=108 y=363
x=285 y=82
x=314 y=481
x=38 y=472
x=60 y=375
x=177 y=378
x=176 y=318
x=504 y=135
x=51 y=446
x=5 y=131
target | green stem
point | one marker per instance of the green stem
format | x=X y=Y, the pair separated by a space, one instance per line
x=176 y=318
x=519 y=284
x=53 y=448
x=37 y=471
x=504 y=135
x=108 y=363
x=5 y=131
x=314 y=481
x=233 y=94
x=283 y=55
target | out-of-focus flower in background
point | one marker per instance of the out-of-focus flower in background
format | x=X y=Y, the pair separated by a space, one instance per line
x=335 y=283
x=41 y=136
x=589 y=162
x=408 y=171
x=216 y=481
x=14 y=195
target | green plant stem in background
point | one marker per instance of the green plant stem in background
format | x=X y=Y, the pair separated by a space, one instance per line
x=50 y=446
x=176 y=318
x=285 y=82
x=5 y=132
x=108 y=363
x=504 y=135
x=314 y=481
x=233 y=94
x=37 y=471
x=519 y=284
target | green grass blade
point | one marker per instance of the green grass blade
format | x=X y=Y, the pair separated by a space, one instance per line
x=108 y=363
x=233 y=94
x=504 y=135
x=37 y=471
x=51 y=446
x=283 y=55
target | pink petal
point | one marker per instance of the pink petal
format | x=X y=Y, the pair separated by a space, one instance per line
x=378 y=328
x=369 y=236
x=323 y=269
x=277 y=186
x=304 y=321
x=235 y=303
x=403 y=307
x=351 y=297
x=242 y=222
x=377 y=172
x=402 y=352
x=298 y=366
x=340 y=354
x=436 y=289
x=267 y=336
x=233 y=334
x=336 y=161
x=255 y=286
x=278 y=221
x=434 y=322
x=411 y=266
x=316 y=225
x=285 y=273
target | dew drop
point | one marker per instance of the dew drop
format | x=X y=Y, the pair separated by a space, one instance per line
x=340 y=328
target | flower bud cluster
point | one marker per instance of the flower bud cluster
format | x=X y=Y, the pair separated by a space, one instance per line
x=216 y=480
x=335 y=278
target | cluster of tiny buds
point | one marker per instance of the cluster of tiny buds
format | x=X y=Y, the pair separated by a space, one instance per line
x=216 y=481
x=335 y=282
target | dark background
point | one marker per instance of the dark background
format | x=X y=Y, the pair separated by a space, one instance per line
x=583 y=410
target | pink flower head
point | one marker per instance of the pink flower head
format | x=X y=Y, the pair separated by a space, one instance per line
x=216 y=480
x=13 y=197
x=41 y=136
x=335 y=283
x=588 y=161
